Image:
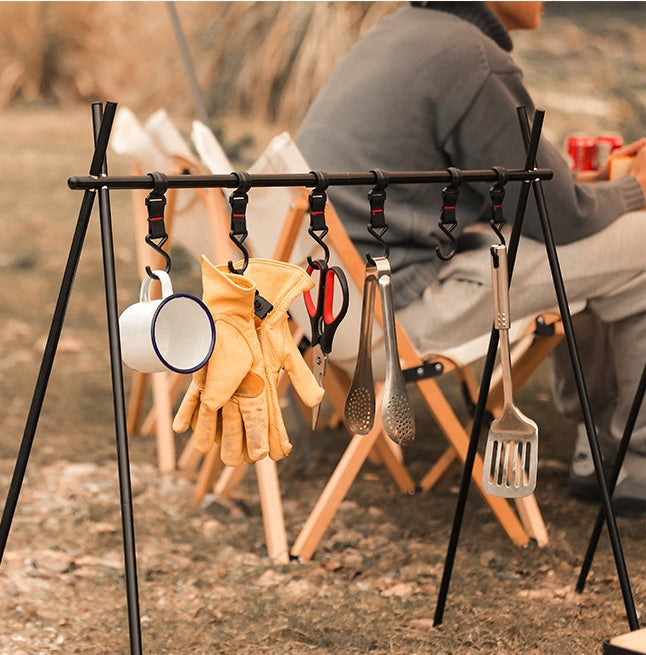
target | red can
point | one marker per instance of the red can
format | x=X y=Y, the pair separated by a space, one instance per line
x=605 y=146
x=581 y=150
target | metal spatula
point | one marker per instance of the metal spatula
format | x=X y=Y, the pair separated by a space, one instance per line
x=511 y=454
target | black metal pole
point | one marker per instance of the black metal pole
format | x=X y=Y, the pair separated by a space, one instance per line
x=612 y=480
x=485 y=382
x=231 y=180
x=566 y=319
x=123 y=462
x=53 y=337
x=196 y=91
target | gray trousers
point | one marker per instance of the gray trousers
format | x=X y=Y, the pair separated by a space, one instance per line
x=607 y=270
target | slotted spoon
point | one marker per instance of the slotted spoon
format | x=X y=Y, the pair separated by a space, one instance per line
x=511 y=453
x=397 y=414
x=359 y=411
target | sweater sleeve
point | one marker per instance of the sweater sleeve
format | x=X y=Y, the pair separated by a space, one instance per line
x=489 y=134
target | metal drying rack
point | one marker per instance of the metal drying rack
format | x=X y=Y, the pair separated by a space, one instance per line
x=99 y=180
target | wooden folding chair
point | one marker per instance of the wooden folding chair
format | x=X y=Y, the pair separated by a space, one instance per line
x=159 y=147
x=283 y=156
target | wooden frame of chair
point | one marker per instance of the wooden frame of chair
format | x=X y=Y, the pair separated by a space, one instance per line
x=266 y=472
x=527 y=356
x=529 y=523
x=166 y=386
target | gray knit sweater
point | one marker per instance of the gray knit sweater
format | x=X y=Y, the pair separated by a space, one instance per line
x=424 y=90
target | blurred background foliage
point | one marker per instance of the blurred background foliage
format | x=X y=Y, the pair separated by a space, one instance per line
x=263 y=62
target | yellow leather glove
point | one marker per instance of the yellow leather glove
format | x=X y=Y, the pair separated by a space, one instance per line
x=226 y=400
x=280 y=283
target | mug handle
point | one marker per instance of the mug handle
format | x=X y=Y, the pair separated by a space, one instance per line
x=166 y=286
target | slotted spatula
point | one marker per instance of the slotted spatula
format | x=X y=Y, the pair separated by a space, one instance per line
x=511 y=453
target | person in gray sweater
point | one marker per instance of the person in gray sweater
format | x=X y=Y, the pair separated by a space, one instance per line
x=433 y=85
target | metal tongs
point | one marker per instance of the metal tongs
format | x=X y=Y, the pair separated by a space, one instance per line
x=397 y=413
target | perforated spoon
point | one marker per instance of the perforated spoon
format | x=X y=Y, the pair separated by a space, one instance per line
x=397 y=412
x=511 y=453
x=359 y=410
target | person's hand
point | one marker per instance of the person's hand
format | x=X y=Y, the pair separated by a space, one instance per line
x=638 y=167
x=629 y=150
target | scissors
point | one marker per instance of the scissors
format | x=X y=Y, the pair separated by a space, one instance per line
x=324 y=318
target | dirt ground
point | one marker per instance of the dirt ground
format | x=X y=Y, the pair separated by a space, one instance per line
x=206 y=584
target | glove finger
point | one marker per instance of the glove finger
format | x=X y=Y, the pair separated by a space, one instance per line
x=279 y=445
x=186 y=412
x=206 y=428
x=231 y=448
x=299 y=372
x=255 y=418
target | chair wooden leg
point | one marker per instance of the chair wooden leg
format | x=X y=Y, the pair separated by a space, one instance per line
x=458 y=438
x=190 y=458
x=164 y=431
x=336 y=488
x=229 y=480
x=391 y=457
x=440 y=469
x=272 y=510
x=136 y=401
x=208 y=473
x=175 y=384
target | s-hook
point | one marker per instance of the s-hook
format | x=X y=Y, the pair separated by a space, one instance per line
x=317 y=201
x=238 y=232
x=497 y=194
x=156 y=203
x=448 y=221
x=377 y=225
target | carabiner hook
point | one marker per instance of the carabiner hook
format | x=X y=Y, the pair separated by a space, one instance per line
x=156 y=203
x=448 y=221
x=377 y=226
x=497 y=194
x=317 y=201
x=238 y=201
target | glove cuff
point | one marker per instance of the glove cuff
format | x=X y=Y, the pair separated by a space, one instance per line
x=226 y=292
x=279 y=282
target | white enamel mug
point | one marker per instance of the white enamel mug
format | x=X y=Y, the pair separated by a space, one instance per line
x=174 y=332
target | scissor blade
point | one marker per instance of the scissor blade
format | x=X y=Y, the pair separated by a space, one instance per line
x=319 y=364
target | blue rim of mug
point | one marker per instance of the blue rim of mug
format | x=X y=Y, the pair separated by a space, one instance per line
x=197 y=367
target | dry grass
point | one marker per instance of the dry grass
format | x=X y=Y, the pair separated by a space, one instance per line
x=264 y=59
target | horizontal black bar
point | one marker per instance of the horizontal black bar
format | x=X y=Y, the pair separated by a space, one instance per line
x=300 y=179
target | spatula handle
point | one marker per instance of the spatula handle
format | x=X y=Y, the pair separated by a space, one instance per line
x=500 y=279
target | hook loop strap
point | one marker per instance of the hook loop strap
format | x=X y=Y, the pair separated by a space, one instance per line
x=156 y=203
x=497 y=194
x=317 y=201
x=377 y=225
x=450 y=195
x=377 y=199
x=238 y=229
x=448 y=221
x=238 y=201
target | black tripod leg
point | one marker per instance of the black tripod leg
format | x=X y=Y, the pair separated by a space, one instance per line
x=612 y=480
x=483 y=393
x=583 y=395
x=52 y=340
x=123 y=460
